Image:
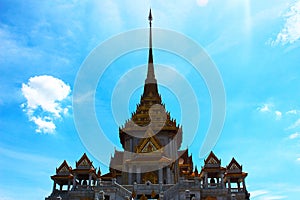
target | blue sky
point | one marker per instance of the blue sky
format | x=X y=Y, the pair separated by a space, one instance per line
x=254 y=44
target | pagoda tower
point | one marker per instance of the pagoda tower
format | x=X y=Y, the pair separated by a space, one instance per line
x=151 y=138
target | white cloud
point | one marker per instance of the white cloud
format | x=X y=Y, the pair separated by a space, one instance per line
x=44 y=125
x=265 y=195
x=298 y=159
x=278 y=115
x=269 y=108
x=45 y=96
x=273 y=197
x=294 y=135
x=257 y=193
x=202 y=2
x=290 y=112
x=291 y=30
x=46 y=92
x=265 y=108
x=295 y=125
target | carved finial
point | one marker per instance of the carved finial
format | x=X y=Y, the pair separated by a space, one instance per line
x=150 y=16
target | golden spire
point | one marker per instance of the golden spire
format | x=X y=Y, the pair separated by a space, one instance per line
x=150 y=74
x=150 y=82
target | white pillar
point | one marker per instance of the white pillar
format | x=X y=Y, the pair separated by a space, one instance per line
x=168 y=175
x=74 y=181
x=138 y=175
x=90 y=179
x=130 y=176
x=205 y=180
x=160 y=175
x=222 y=181
x=101 y=195
x=130 y=144
x=187 y=195
x=170 y=149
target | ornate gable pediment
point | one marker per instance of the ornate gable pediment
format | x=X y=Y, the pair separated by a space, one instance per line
x=234 y=166
x=149 y=147
x=149 y=144
x=63 y=169
x=212 y=160
x=84 y=162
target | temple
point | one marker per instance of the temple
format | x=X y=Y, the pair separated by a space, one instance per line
x=152 y=165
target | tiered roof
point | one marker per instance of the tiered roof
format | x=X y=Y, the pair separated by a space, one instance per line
x=84 y=163
x=63 y=174
x=150 y=112
x=235 y=170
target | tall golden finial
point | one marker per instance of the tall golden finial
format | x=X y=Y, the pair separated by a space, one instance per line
x=150 y=74
x=150 y=17
x=150 y=86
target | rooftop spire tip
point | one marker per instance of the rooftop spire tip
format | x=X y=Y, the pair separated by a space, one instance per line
x=150 y=15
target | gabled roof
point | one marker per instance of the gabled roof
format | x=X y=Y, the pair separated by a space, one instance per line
x=234 y=171
x=64 y=169
x=234 y=167
x=212 y=161
x=63 y=174
x=84 y=162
